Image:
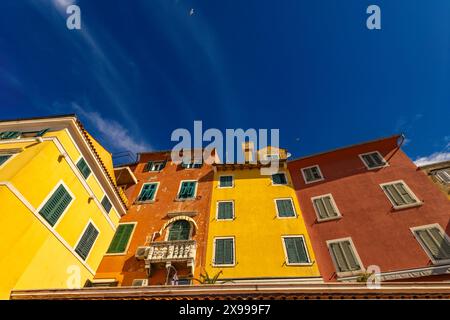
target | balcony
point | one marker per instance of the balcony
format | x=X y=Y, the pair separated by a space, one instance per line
x=179 y=253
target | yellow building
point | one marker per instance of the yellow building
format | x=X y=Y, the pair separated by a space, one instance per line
x=256 y=231
x=439 y=174
x=59 y=204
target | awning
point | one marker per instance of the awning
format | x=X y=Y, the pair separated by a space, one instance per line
x=179 y=218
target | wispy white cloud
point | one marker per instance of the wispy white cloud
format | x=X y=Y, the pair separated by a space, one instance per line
x=433 y=158
x=112 y=133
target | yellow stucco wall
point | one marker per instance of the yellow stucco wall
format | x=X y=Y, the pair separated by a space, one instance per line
x=257 y=230
x=34 y=255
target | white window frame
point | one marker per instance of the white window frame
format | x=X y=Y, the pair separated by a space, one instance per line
x=232 y=181
x=280 y=184
x=439 y=178
x=60 y=182
x=293 y=207
x=314 y=181
x=129 y=240
x=214 y=252
x=412 y=194
x=217 y=210
x=425 y=249
x=195 y=191
x=309 y=263
x=355 y=252
x=386 y=164
x=339 y=215
x=13 y=155
x=81 y=235
x=142 y=187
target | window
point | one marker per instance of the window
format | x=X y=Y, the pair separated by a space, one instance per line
x=4 y=158
x=295 y=250
x=182 y=282
x=154 y=166
x=32 y=134
x=84 y=246
x=325 y=207
x=179 y=230
x=443 y=175
x=187 y=190
x=273 y=156
x=285 y=208
x=106 y=204
x=9 y=135
x=148 y=192
x=56 y=205
x=373 y=160
x=400 y=195
x=344 y=256
x=191 y=165
x=435 y=242
x=279 y=178
x=225 y=210
x=83 y=167
x=226 y=181
x=119 y=243
x=312 y=174
x=224 y=252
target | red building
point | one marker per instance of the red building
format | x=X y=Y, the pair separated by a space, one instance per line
x=369 y=205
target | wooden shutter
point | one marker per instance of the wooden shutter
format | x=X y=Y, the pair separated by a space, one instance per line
x=219 y=251
x=84 y=168
x=106 y=204
x=56 y=205
x=443 y=175
x=179 y=230
x=86 y=242
x=435 y=242
x=308 y=174
x=226 y=181
x=10 y=134
x=339 y=257
x=331 y=210
x=224 y=251
x=228 y=251
x=148 y=166
x=394 y=195
x=148 y=192
x=121 y=238
x=285 y=208
x=225 y=210
x=349 y=255
x=320 y=208
x=406 y=196
x=295 y=249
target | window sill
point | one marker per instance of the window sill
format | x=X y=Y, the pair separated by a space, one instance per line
x=223 y=265
x=328 y=219
x=308 y=264
x=290 y=217
x=347 y=274
x=185 y=199
x=144 y=202
x=314 y=181
x=407 y=206
x=116 y=254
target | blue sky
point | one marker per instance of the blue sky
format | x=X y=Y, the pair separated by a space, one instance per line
x=137 y=70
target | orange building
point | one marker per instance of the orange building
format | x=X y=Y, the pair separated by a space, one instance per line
x=162 y=239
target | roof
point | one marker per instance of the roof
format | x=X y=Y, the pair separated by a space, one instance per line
x=396 y=136
x=436 y=165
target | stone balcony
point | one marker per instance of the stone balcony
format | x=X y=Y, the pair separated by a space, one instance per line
x=181 y=253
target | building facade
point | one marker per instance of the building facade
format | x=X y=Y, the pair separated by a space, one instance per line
x=60 y=205
x=162 y=239
x=256 y=229
x=367 y=206
x=439 y=174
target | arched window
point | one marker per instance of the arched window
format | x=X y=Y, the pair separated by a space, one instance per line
x=179 y=230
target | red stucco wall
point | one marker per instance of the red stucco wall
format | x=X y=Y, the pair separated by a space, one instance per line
x=381 y=235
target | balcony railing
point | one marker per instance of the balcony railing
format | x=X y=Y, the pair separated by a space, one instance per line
x=168 y=252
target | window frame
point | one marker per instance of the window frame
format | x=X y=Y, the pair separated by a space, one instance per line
x=134 y=223
x=322 y=178
x=167 y=231
x=109 y=200
x=293 y=207
x=411 y=193
x=194 y=197
x=356 y=255
x=217 y=210
x=154 y=196
x=309 y=263
x=49 y=195
x=279 y=184
x=361 y=156
x=76 y=165
x=214 y=264
x=339 y=215
x=90 y=221
x=232 y=181
x=424 y=248
x=439 y=179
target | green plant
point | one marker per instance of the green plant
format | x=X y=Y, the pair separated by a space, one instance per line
x=206 y=279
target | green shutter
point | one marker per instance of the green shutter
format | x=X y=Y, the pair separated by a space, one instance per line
x=394 y=195
x=187 y=190
x=295 y=249
x=148 y=166
x=84 y=168
x=87 y=241
x=106 y=204
x=285 y=208
x=225 y=210
x=121 y=237
x=4 y=158
x=407 y=198
x=279 y=178
x=42 y=132
x=147 y=192
x=56 y=205
x=226 y=181
x=179 y=230
x=224 y=251
x=9 y=135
